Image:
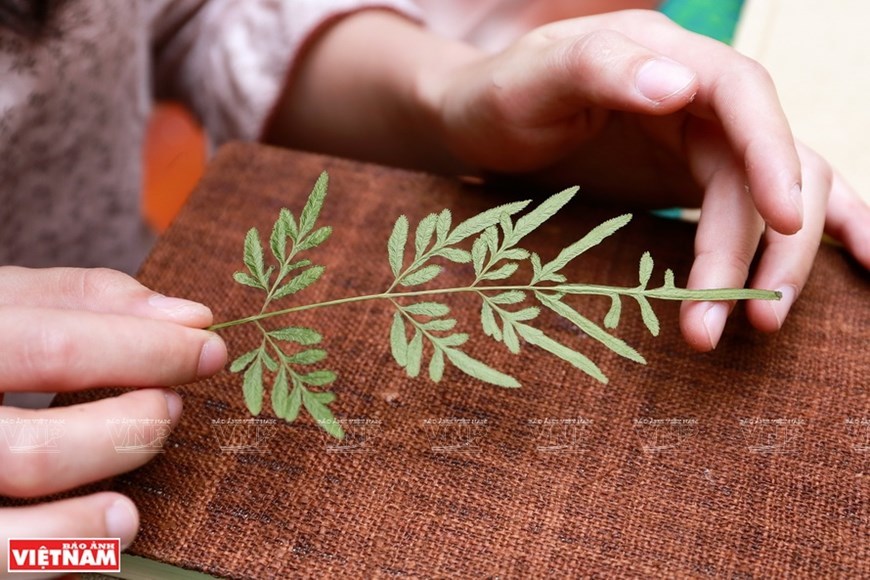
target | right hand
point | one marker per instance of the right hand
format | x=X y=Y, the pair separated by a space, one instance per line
x=68 y=329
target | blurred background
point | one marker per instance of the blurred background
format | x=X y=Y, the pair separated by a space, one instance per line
x=815 y=52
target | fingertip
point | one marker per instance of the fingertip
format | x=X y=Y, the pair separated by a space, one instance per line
x=661 y=79
x=783 y=214
x=122 y=520
x=769 y=315
x=702 y=324
x=213 y=356
x=795 y=195
x=174 y=405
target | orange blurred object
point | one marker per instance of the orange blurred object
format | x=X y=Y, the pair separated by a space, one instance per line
x=175 y=155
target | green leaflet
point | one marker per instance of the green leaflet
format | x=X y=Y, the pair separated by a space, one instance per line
x=538 y=338
x=285 y=216
x=281 y=394
x=396 y=244
x=306 y=357
x=278 y=240
x=318 y=378
x=487 y=320
x=457 y=339
x=268 y=361
x=509 y=337
x=442 y=227
x=421 y=276
x=479 y=370
x=530 y=222
x=434 y=309
x=398 y=341
x=300 y=282
x=478 y=255
x=425 y=229
x=611 y=320
x=323 y=397
x=648 y=316
x=322 y=415
x=311 y=211
x=645 y=269
x=615 y=344
x=455 y=255
x=509 y=297
x=484 y=220
x=253 y=256
x=525 y=313
x=315 y=238
x=593 y=238
x=488 y=242
x=414 y=357
x=515 y=254
x=436 y=366
x=248 y=280
x=440 y=324
x=505 y=271
x=252 y=388
x=242 y=362
x=291 y=411
x=298 y=334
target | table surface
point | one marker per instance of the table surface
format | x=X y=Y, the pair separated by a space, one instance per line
x=749 y=461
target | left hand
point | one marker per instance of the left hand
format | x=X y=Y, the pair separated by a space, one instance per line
x=628 y=105
x=631 y=106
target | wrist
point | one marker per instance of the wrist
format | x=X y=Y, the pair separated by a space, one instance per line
x=371 y=86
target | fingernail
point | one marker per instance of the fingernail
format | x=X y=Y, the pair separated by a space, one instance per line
x=714 y=322
x=660 y=78
x=797 y=200
x=173 y=405
x=178 y=308
x=781 y=307
x=213 y=356
x=122 y=521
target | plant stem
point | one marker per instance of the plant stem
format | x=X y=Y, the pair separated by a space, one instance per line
x=578 y=289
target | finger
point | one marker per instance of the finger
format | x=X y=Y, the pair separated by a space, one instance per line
x=787 y=260
x=96 y=290
x=562 y=75
x=100 y=515
x=848 y=219
x=726 y=240
x=64 y=350
x=745 y=100
x=735 y=91
x=51 y=450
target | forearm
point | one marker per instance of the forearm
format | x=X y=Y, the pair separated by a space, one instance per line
x=362 y=90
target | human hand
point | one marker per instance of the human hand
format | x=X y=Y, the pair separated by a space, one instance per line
x=70 y=329
x=631 y=106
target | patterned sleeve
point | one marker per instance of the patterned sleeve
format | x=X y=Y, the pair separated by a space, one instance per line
x=228 y=59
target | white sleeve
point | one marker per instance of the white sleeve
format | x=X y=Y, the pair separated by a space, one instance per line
x=229 y=59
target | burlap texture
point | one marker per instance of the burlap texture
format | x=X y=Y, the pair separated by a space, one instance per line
x=745 y=463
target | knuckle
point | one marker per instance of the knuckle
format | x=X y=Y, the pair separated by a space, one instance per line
x=734 y=264
x=23 y=474
x=588 y=53
x=750 y=68
x=97 y=282
x=537 y=38
x=49 y=354
x=818 y=167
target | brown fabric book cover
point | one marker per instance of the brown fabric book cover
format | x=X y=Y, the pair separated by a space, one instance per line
x=750 y=461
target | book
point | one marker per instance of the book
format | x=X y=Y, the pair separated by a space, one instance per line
x=746 y=461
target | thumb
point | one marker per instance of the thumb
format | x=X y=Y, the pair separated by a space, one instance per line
x=601 y=68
